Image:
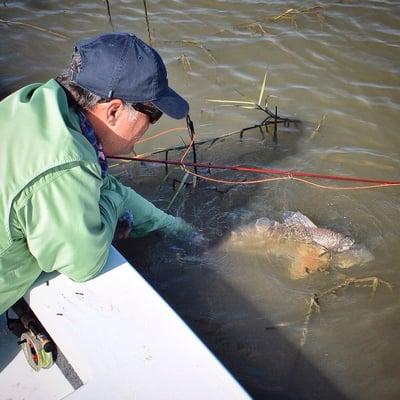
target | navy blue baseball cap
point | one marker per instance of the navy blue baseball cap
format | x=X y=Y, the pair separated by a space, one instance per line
x=121 y=66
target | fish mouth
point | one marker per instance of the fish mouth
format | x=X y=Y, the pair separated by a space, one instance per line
x=357 y=255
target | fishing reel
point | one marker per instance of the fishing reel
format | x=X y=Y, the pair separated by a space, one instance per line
x=39 y=350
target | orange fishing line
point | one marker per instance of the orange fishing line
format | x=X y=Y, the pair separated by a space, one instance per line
x=161 y=134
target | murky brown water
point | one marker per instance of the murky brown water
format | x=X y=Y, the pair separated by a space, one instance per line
x=344 y=65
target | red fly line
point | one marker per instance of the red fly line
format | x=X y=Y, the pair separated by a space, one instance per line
x=282 y=174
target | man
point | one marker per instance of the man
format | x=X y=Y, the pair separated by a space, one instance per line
x=59 y=207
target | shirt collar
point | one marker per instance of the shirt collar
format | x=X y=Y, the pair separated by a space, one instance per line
x=88 y=131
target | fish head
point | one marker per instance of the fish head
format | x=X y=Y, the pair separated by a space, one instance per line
x=345 y=243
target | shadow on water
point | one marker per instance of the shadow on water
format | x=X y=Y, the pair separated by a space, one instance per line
x=5 y=90
x=258 y=353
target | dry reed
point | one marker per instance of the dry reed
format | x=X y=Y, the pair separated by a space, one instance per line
x=314 y=303
x=146 y=14
x=32 y=26
x=108 y=10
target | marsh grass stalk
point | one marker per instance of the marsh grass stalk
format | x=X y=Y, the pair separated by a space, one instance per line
x=192 y=134
x=290 y=15
x=180 y=187
x=253 y=26
x=184 y=61
x=166 y=165
x=318 y=127
x=313 y=305
x=32 y=26
x=108 y=10
x=146 y=15
x=199 y=45
x=262 y=105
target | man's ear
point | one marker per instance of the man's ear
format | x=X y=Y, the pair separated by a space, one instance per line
x=114 y=109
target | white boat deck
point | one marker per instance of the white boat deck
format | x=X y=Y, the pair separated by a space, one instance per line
x=121 y=341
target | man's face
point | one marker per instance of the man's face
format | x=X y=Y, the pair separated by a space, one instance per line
x=130 y=127
x=117 y=127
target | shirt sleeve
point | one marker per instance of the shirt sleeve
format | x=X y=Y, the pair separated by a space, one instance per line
x=69 y=222
x=147 y=217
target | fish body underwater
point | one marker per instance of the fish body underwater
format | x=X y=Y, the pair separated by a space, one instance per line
x=305 y=247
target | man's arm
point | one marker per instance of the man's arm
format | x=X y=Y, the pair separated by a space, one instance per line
x=69 y=222
x=147 y=217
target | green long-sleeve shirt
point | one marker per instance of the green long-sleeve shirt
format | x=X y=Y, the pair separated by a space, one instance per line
x=57 y=213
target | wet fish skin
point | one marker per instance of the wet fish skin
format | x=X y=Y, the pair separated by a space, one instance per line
x=298 y=227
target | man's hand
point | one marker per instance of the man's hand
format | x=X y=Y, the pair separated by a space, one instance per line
x=197 y=239
x=121 y=231
x=124 y=225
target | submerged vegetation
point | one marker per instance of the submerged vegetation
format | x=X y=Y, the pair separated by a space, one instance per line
x=291 y=15
x=314 y=304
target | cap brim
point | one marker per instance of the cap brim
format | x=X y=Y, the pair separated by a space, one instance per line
x=172 y=104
